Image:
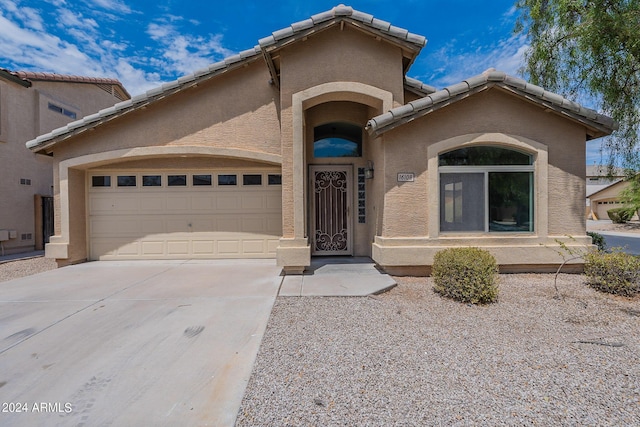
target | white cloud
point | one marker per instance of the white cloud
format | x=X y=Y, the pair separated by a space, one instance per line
x=457 y=63
x=182 y=51
x=112 y=5
x=70 y=19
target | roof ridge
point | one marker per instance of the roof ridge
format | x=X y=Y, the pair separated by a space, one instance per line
x=340 y=12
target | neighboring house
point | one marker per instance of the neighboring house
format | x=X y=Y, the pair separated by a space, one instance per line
x=316 y=143
x=605 y=199
x=600 y=177
x=32 y=104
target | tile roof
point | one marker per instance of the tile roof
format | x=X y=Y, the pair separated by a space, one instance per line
x=297 y=29
x=343 y=12
x=138 y=101
x=31 y=76
x=601 y=124
x=417 y=87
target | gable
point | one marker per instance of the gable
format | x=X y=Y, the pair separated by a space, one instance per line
x=236 y=110
x=595 y=124
x=340 y=54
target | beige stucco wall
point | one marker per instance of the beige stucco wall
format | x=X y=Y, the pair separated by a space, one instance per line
x=606 y=199
x=490 y=117
x=204 y=126
x=334 y=55
x=357 y=114
x=25 y=114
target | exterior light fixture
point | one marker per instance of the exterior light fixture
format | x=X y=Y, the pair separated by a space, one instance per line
x=368 y=171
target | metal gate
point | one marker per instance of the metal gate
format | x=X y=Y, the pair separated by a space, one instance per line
x=331 y=210
x=47 y=218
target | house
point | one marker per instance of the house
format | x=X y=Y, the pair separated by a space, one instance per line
x=32 y=104
x=600 y=177
x=316 y=143
x=605 y=199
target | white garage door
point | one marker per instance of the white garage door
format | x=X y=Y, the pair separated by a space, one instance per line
x=178 y=215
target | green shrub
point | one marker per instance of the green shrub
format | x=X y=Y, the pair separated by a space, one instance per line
x=620 y=215
x=598 y=240
x=615 y=272
x=466 y=275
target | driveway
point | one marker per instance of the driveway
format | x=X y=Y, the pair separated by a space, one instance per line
x=132 y=343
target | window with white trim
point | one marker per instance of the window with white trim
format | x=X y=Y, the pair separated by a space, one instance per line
x=486 y=189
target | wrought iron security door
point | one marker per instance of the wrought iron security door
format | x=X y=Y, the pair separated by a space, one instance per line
x=331 y=210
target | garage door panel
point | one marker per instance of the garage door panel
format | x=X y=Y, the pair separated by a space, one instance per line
x=253 y=225
x=228 y=247
x=253 y=247
x=178 y=247
x=177 y=225
x=152 y=204
x=204 y=247
x=116 y=226
x=153 y=248
x=203 y=203
x=200 y=225
x=184 y=222
x=178 y=203
x=227 y=202
x=100 y=204
x=152 y=226
x=132 y=248
x=226 y=223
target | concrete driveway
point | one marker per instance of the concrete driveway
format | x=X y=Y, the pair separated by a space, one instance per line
x=161 y=343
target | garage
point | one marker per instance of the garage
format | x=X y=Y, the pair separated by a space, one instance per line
x=177 y=214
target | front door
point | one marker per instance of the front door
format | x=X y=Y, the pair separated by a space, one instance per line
x=331 y=229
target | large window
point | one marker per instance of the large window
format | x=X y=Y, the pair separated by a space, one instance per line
x=486 y=189
x=337 y=140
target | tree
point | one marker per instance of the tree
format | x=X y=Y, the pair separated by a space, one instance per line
x=589 y=48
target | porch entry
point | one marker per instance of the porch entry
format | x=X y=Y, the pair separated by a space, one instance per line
x=331 y=200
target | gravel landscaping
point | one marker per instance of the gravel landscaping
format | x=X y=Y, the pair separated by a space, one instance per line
x=412 y=358
x=10 y=270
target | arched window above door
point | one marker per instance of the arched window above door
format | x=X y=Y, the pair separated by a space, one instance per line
x=337 y=139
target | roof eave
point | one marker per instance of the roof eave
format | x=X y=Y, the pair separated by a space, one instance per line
x=43 y=143
x=13 y=78
x=410 y=50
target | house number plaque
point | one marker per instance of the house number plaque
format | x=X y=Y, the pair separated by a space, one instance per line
x=406 y=177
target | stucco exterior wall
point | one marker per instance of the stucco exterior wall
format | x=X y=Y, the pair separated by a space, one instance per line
x=338 y=56
x=354 y=113
x=25 y=114
x=236 y=110
x=559 y=149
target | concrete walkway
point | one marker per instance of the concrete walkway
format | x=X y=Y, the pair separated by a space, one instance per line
x=337 y=276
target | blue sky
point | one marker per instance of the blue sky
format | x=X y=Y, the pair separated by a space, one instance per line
x=145 y=43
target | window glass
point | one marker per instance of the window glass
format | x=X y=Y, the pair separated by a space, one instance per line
x=227 y=180
x=337 y=140
x=486 y=189
x=201 y=180
x=176 y=180
x=101 y=181
x=151 y=180
x=126 y=180
x=251 y=179
x=482 y=156
x=462 y=202
x=510 y=201
x=275 y=179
